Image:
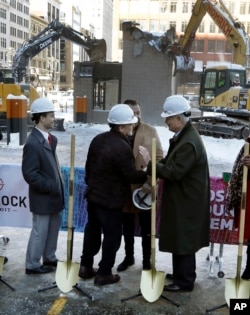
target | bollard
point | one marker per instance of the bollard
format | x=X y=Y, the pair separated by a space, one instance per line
x=81 y=109
x=16 y=112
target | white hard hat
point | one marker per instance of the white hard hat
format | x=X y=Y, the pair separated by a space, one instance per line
x=121 y=114
x=175 y=105
x=236 y=78
x=42 y=105
x=141 y=199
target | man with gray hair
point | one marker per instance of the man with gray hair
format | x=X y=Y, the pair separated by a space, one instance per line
x=185 y=199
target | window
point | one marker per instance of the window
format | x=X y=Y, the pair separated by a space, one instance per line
x=3 y=13
x=153 y=25
x=163 y=26
x=221 y=78
x=2 y=28
x=172 y=24
x=211 y=46
x=212 y=27
x=220 y=46
x=201 y=28
x=248 y=28
x=200 y=46
x=185 y=7
x=163 y=6
x=242 y=8
x=183 y=26
x=228 y=48
x=173 y=6
x=143 y=25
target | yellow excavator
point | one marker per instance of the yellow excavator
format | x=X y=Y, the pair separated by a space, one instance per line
x=11 y=80
x=224 y=88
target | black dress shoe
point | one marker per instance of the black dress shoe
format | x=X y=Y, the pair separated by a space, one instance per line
x=146 y=265
x=86 y=273
x=246 y=274
x=39 y=270
x=125 y=264
x=108 y=279
x=175 y=288
x=170 y=276
x=50 y=263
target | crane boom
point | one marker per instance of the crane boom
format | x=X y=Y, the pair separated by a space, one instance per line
x=95 y=48
x=230 y=27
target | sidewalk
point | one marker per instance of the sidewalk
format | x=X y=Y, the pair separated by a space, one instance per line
x=208 y=291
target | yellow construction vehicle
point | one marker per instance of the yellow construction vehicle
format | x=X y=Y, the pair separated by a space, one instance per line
x=11 y=79
x=218 y=90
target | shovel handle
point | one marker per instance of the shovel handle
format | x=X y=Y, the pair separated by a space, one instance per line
x=242 y=212
x=153 y=210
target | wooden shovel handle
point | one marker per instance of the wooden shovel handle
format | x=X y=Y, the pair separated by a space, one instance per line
x=153 y=210
x=243 y=197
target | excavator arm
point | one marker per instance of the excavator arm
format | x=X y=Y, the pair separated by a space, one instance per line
x=231 y=28
x=96 y=49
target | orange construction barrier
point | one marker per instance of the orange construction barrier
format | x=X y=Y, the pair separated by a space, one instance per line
x=16 y=113
x=81 y=109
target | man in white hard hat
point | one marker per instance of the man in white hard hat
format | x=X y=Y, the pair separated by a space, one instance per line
x=41 y=171
x=110 y=169
x=185 y=199
x=141 y=142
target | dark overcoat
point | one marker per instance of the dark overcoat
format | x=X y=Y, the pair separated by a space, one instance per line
x=185 y=201
x=41 y=171
x=110 y=169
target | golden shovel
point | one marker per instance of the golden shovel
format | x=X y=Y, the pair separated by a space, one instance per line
x=67 y=271
x=238 y=288
x=152 y=281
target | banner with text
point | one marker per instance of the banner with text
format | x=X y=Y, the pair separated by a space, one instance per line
x=14 y=203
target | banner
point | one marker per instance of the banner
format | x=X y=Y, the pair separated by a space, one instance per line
x=14 y=204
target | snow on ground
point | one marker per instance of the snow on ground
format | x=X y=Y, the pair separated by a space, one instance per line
x=221 y=152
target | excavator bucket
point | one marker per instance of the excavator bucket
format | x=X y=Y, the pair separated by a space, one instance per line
x=183 y=63
x=98 y=50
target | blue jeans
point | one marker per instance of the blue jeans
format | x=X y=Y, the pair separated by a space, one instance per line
x=106 y=221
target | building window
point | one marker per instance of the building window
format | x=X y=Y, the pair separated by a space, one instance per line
x=185 y=7
x=183 y=26
x=201 y=28
x=163 y=6
x=2 y=28
x=228 y=48
x=120 y=43
x=243 y=8
x=3 y=13
x=153 y=25
x=211 y=46
x=173 y=6
x=199 y=45
x=172 y=24
x=231 y=6
x=248 y=28
x=220 y=46
x=212 y=27
x=163 y=26
x=143 y=25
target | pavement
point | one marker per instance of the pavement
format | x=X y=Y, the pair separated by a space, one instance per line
x=122 y=298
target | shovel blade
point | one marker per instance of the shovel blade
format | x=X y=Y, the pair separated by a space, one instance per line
x=66 y=275
x=1 y=264
x=236 y=289
x=152 y=284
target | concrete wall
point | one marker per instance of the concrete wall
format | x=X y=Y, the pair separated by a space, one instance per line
x=146 y=78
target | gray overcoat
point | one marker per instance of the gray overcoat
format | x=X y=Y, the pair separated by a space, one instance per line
x=41 y=171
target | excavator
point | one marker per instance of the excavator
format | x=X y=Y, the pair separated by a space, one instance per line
x=11 y=80
x=219 y=91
